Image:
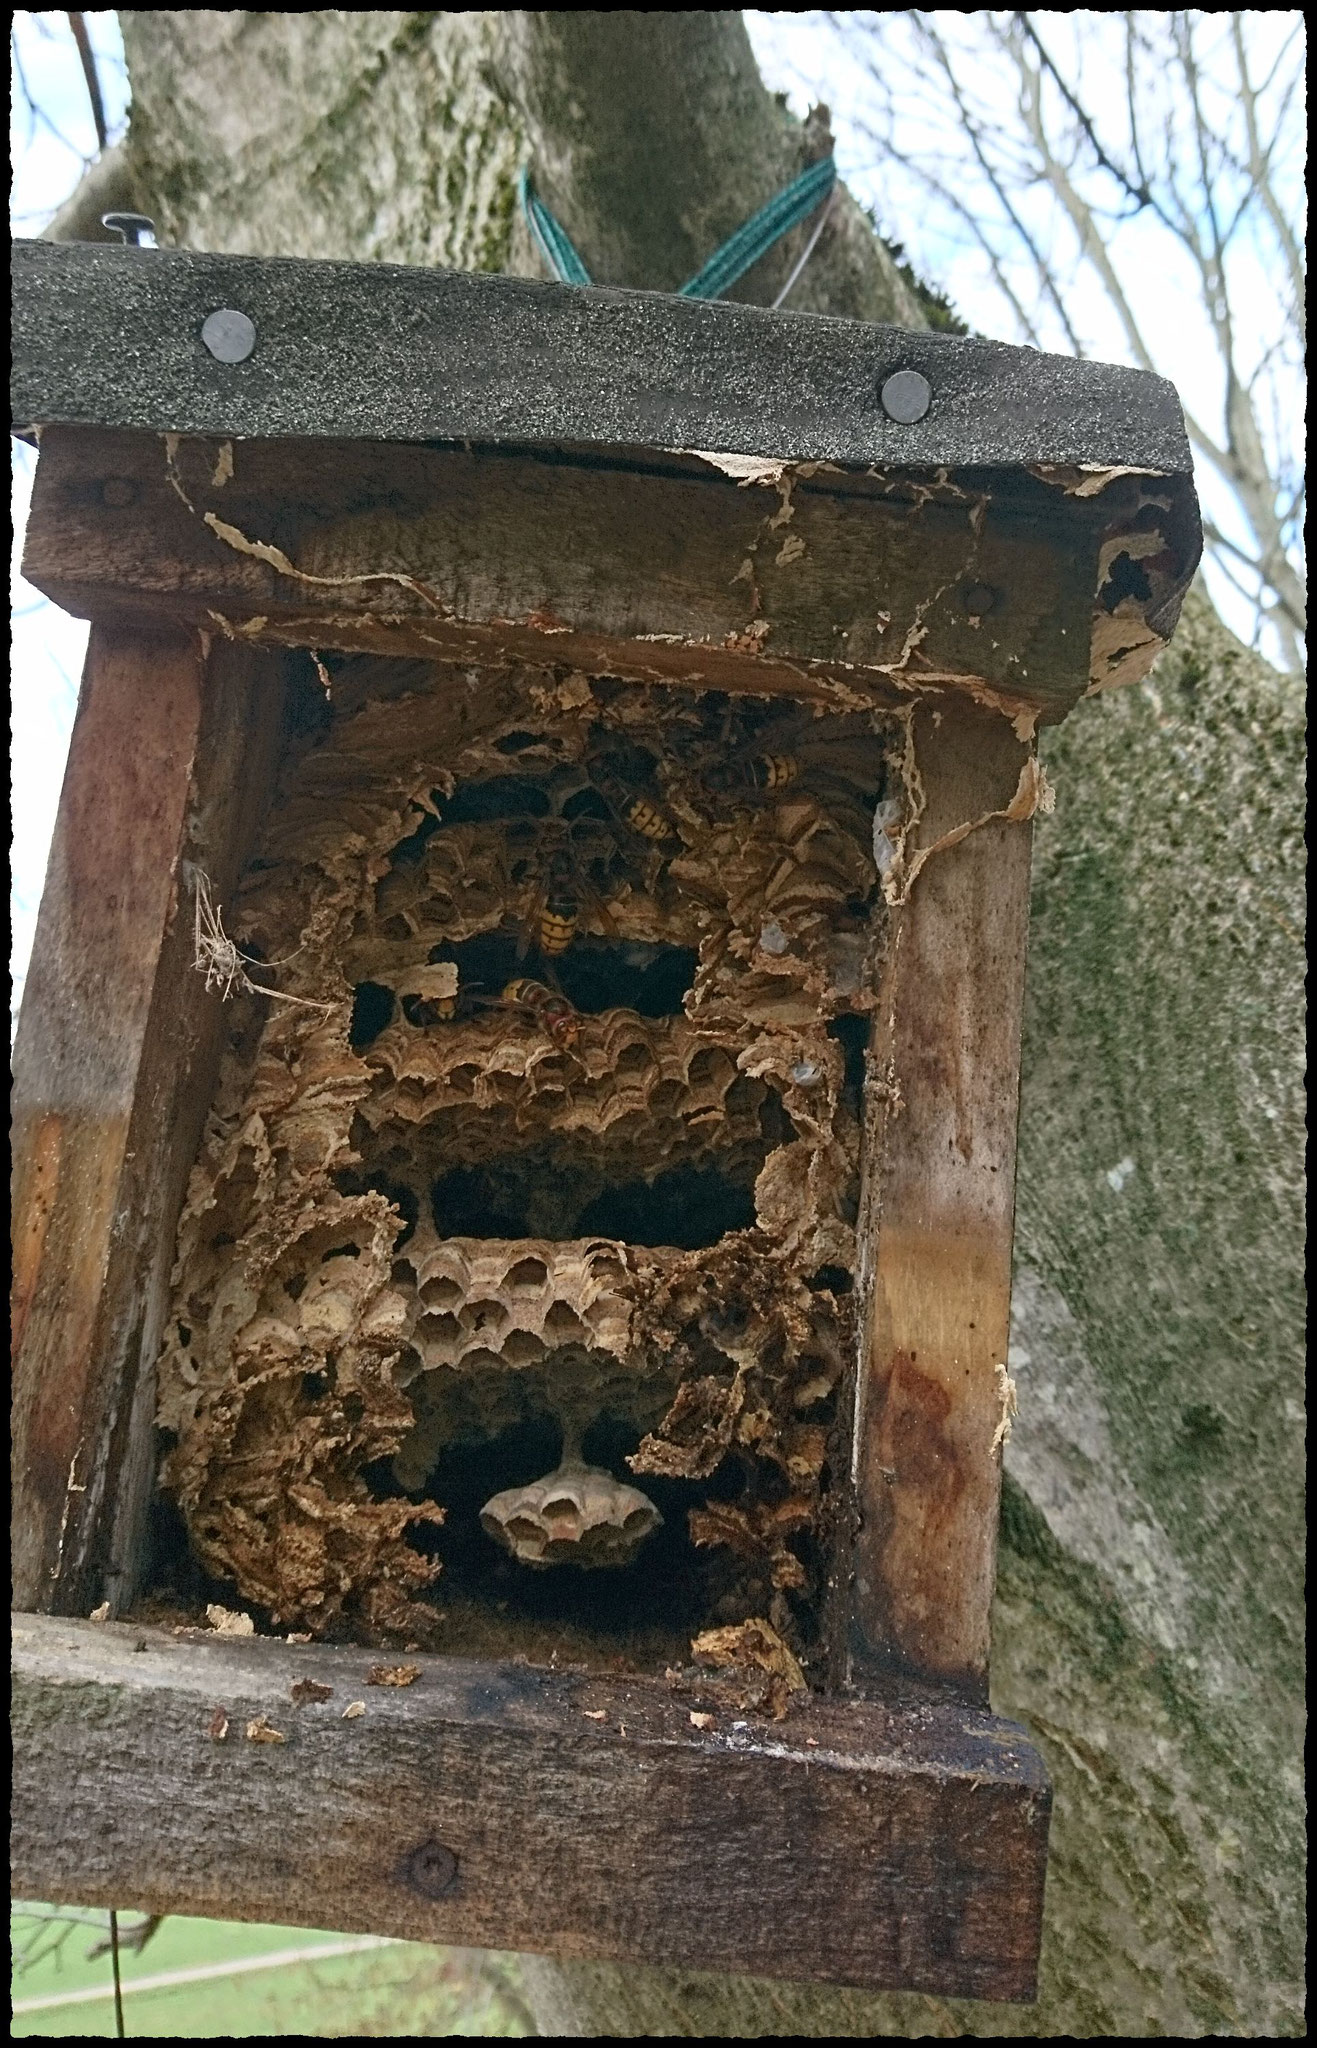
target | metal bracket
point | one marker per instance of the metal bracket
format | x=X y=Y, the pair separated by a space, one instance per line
x=130 y=227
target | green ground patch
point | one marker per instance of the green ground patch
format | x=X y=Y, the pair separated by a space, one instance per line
x=258 y=1980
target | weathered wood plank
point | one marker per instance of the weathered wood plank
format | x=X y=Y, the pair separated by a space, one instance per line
x=938 y=1214
x=114 y=1066
x=820 y=586
x=899 y=1845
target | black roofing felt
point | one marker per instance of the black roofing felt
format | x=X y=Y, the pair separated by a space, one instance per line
x=110 y=336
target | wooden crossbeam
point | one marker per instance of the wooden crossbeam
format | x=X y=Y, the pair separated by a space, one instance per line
x=506 y=1807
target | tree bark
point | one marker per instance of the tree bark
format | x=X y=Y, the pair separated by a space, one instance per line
x=399 y=137
x=1148 y=1602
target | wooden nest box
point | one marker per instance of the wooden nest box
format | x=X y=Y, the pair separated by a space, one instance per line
x=516 y=1097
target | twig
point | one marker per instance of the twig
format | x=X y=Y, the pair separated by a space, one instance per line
x=973 y=223
x=134 y=1938
x=78 y=23
x=118 y=1982
x=1218 y=539
x=38 y=112
x=216 y=956
x=1013 y=215
x=1139 y=194
x=1203 y=152
x=52 y=1928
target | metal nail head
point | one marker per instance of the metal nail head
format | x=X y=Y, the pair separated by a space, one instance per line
x=906 y=397
x=229 y=335
x=130 y=227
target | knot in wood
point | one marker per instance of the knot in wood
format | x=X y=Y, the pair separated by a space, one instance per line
x=978 y=599
x=430 y=1870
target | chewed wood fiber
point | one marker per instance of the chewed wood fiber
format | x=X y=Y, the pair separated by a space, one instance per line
x=502 y=1176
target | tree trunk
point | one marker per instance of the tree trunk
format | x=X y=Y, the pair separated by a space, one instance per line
x=1147 y=1622
x=399 y=137
x=1147 y=1619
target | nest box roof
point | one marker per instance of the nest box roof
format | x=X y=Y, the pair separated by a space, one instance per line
x=111 y=336
x=268 y=349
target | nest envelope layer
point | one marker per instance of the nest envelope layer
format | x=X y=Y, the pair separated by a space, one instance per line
x=497 y=1176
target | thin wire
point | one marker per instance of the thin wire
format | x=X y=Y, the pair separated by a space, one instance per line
x=114 y=1965
x=808 y=249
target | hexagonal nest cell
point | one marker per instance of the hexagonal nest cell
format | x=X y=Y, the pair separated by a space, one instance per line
x=512 y=1307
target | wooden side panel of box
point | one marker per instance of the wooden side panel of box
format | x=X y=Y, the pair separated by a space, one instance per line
x=937 y=1211
x=170 y=766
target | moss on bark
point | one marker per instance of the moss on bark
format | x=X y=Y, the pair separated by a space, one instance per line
x=380 y=136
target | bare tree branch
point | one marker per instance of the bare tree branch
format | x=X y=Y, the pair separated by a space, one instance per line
x=78 y=24
x=1260 y=171
x=1042 y=268
x=1198 y=140
x=974 y=223
x=50 y=1928
x=1139 y=193
x=36 y=111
